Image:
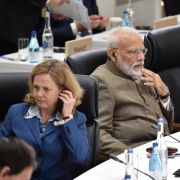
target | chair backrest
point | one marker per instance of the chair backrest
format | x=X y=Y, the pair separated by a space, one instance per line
x=86 y=62
x=14 y=87
x=163 y=57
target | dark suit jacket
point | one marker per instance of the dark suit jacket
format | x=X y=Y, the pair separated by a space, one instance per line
x=57 y=148
x=17 y=19
x=61 y=29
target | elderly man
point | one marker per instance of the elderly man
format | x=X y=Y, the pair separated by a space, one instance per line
x=131 y=98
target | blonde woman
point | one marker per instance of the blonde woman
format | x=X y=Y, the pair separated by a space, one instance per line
x=49 y=121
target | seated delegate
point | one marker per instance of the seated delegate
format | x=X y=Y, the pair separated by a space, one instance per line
x=65 y=30
x=48 y=120
x=131 y=98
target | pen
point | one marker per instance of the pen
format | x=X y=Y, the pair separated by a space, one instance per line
x=8 y=58
x=177 y=154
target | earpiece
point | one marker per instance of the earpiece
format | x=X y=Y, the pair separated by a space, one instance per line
x=114 y=54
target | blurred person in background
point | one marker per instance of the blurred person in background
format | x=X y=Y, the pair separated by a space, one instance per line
x=66 y=29
x=18 y=18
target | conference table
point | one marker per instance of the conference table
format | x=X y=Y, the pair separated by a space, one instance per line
x=113 y=170
x=10 y=63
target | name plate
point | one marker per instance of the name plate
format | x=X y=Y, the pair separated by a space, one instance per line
x=78 y=45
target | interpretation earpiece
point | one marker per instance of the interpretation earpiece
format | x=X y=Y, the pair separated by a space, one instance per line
x=114 y=54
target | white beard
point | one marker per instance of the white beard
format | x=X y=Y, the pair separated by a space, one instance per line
x=132 y=71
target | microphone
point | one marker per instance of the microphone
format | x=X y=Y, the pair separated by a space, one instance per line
x=119 y=160
x=156 y=127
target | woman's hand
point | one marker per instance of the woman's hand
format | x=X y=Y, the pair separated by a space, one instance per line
x=68 y=102
x=152 y=79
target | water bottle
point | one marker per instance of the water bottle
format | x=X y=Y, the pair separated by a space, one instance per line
x=125 y=20
x=155 y=165
x=47 y=38
x=129 y=166
x=130 y=13
x=33 y=48
x=127 y=177
x=162 y=148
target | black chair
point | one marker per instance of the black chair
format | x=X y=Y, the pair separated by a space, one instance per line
x=163 y=57
x=86 y=62
x=14 y=87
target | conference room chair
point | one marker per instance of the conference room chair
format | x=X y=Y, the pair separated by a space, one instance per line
x=86 y=62
x=163 y=57
x=14 y=87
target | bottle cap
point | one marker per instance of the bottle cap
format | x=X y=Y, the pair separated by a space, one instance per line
x=47 y=13
x=33 y=33
x=130 y=150
x=127 y=176
x=155 y=144
x=160 y=120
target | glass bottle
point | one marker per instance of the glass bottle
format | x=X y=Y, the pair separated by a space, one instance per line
x=47 y=38
x=130 y=13
x=129 y=166
x=33 y=48
x=162 y=148
x=155 y=166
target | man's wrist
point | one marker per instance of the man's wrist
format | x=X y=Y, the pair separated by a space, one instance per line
x=165 y=96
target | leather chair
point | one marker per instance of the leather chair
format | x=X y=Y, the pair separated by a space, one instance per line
x=14 y=87
x=86 y=62
x=163 y=57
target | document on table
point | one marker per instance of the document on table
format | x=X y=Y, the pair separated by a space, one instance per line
x=75 y=10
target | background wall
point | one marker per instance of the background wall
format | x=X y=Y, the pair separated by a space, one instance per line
x=146 y=11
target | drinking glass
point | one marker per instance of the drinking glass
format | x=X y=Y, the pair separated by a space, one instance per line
x=23 y=52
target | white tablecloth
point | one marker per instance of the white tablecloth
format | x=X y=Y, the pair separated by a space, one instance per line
x=20 y=66
x=112 y=170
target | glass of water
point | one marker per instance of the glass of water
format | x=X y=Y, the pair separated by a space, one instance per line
x=23 y=52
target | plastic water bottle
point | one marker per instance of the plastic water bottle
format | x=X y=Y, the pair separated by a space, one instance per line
x=155 y=166
x=129 y=166
x=127 y=177
x=125 y=20
x=162 y=148
x=47 y=38
x=130 y=13
x=33 y=48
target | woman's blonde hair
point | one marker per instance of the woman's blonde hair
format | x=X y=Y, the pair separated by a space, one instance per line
x=62 y=76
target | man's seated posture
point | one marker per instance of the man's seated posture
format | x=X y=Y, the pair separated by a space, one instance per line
x=131 y=98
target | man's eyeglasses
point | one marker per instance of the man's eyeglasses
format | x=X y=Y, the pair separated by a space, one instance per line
x=134 y=51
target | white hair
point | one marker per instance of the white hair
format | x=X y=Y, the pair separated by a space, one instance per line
x=114 y=40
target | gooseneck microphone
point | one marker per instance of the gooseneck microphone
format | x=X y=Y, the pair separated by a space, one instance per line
x=120 y=161
x=156 y=127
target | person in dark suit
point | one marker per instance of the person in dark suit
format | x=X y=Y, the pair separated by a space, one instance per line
x=65 y=30
x=172 y=7
x=17 y=159
x=18 y=18
x=48 y=120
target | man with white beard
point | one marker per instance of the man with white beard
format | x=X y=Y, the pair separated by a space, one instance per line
x=131 y=98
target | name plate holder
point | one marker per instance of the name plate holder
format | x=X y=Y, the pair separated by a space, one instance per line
x=78 y=45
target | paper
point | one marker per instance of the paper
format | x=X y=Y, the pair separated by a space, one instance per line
x=75 y=10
